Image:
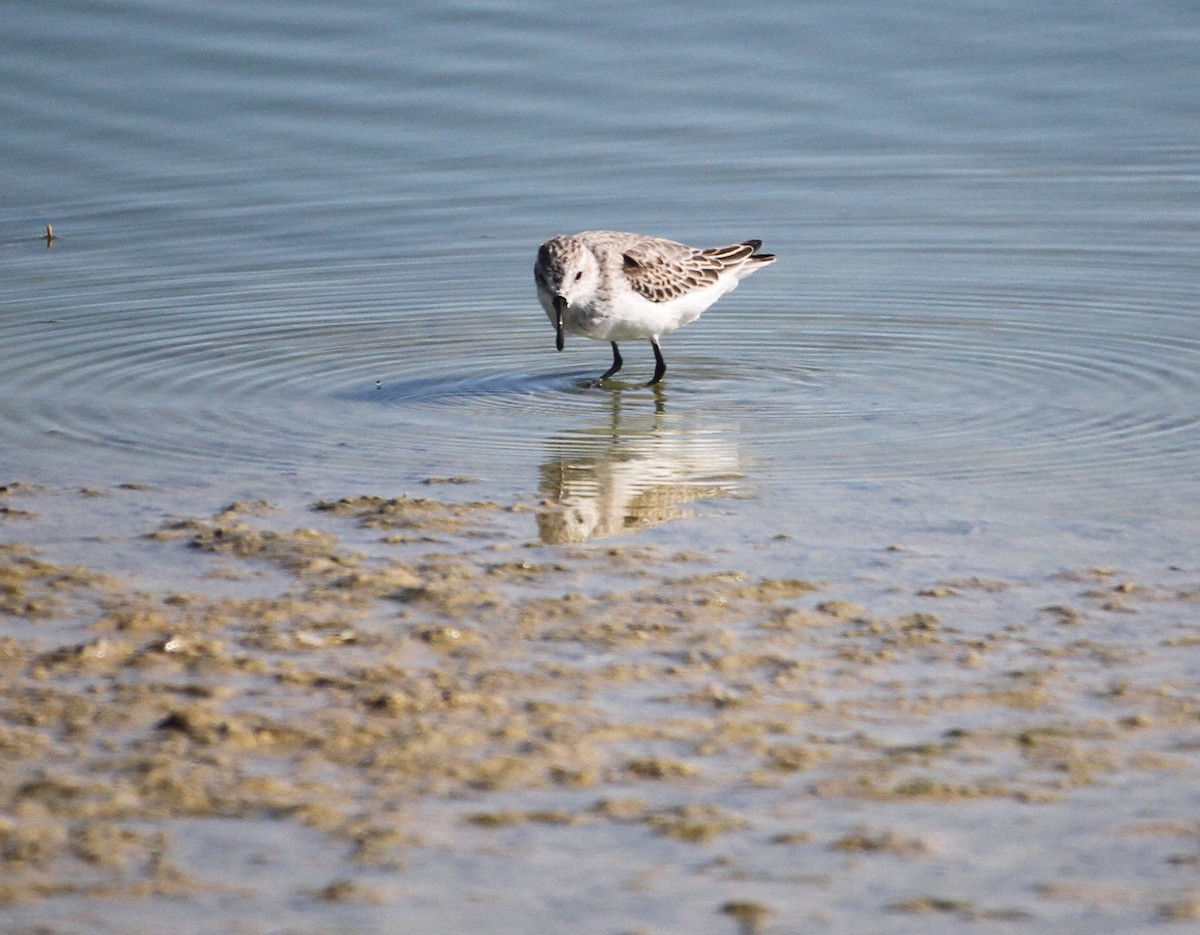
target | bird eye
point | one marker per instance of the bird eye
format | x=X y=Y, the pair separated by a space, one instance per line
x=579 y=276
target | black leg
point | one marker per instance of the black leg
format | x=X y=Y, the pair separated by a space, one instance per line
x=660 y=365
x=617 y=362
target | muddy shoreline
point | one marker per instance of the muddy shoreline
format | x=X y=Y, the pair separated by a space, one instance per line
x=364 y=664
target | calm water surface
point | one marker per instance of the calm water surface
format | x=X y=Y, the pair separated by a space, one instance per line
x=296 y=240
x=295 y=244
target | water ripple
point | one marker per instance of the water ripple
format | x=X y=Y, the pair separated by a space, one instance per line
x=981 y=380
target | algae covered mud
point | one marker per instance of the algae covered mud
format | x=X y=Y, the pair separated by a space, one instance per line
x=371 y=714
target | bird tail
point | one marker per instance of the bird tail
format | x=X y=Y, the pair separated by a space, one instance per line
x=756 y=259
x=739 y=254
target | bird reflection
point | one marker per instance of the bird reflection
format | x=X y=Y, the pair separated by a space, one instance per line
x=639 y=470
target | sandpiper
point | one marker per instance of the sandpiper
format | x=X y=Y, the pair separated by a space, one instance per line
x=613 y=286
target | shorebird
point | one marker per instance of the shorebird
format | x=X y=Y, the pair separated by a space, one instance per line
x=611 y=286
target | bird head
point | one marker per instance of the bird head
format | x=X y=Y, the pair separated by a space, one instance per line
x=567 y=273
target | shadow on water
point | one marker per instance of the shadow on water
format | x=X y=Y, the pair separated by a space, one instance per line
x=453 y=388
x=637 y=470
x=497 y=386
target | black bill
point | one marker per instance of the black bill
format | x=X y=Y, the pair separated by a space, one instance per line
x=560 y=308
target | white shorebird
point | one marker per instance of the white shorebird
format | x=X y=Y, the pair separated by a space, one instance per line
x=611 y=286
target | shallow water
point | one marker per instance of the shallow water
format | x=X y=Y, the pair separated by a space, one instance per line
x=298 y=241
x=295 y=242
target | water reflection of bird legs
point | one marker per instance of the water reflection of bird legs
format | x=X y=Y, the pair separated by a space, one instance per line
x=660 y=409
x=637 y=471
x=660 y=396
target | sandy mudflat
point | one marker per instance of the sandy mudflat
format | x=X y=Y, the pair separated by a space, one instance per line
x=377 y=715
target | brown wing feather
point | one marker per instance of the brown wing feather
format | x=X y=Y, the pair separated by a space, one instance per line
x=661 y=275
x=734 y=253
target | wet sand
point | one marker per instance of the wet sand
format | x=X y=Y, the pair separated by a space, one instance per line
x=382 y=714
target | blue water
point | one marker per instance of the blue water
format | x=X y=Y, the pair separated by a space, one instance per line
x=295 y=242
x=296 y=238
